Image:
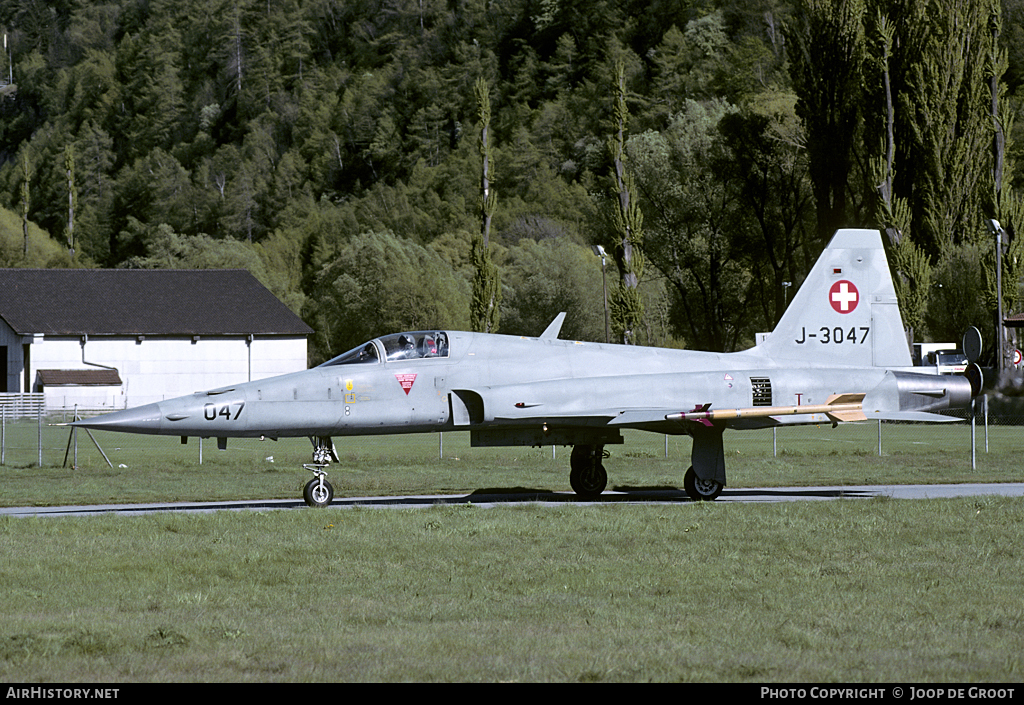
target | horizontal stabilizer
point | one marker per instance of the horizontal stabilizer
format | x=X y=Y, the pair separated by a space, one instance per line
x=838 y=407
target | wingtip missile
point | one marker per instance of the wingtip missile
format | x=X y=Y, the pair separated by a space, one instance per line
x=838 y=407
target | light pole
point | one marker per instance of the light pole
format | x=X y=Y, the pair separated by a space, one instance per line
x=599 y=251
x=997 y=230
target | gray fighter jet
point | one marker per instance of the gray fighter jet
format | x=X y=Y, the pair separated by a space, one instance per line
x=838 y=354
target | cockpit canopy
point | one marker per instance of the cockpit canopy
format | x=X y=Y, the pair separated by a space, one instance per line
x=400 y=346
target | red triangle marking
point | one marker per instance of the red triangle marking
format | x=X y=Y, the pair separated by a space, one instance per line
x=406 y=381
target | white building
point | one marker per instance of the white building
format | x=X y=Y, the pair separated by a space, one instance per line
x=116 y=338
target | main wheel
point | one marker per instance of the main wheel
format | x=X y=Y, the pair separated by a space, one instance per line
x=317 y=494
x=587 y=475
x=700 y=490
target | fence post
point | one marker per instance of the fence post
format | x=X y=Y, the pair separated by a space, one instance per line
x=984 y=407
x=974 y=462
x=39 y=435
x=3 y=435
x=879 y=438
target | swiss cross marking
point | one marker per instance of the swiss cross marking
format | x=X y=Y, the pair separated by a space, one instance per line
x=843 y=296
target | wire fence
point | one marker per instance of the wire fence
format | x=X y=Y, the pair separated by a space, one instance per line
x=44 y=442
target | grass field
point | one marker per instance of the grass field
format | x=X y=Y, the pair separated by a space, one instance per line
x=845 y=591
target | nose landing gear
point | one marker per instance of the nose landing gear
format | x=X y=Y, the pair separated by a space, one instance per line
x=318 y=492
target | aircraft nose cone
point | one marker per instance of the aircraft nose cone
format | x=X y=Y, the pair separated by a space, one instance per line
x=141 y=419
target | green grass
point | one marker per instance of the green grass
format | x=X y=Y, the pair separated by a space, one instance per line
x=849 y=591
x=854 y=590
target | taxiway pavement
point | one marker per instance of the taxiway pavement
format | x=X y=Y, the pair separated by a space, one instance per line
x=497 y=498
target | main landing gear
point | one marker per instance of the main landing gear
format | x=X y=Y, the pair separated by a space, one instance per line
x=705 y=483
x=587 y=475
x=700 y=490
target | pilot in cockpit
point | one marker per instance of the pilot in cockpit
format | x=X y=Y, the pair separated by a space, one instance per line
x=368 y=353
x=406 y=348
x=428 y=348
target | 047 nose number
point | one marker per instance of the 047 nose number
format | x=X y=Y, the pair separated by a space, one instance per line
x=230 y=412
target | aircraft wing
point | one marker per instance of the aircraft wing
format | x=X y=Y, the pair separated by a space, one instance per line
x=926 y=416
x=635 y=417
x=837 y=408
x=591 y=417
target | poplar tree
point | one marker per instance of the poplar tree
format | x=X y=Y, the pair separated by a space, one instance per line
x=827 y=53
x=626 y=305
x=1008 y=206
x=485 y=311
x=909 y=262
x=69 y=169
x=25 y=202
x=946 y=104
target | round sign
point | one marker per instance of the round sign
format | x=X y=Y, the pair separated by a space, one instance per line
x=1017 y=357
x=972 y=344
x=843 y=296
x=974 y=376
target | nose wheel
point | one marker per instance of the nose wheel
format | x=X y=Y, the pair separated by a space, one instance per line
x=318 y=491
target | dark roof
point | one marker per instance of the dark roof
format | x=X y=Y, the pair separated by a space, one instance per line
x=142 y=302
x=1014 y=321
x=79 y=378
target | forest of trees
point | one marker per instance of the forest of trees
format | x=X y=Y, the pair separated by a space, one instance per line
x=398 y=164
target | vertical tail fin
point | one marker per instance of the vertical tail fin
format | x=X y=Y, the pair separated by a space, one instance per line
x=845 y=312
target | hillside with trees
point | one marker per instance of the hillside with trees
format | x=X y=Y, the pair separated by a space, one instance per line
x=396 y=164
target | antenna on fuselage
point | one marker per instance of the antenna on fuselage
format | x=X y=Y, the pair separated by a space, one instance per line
x=554 y=327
